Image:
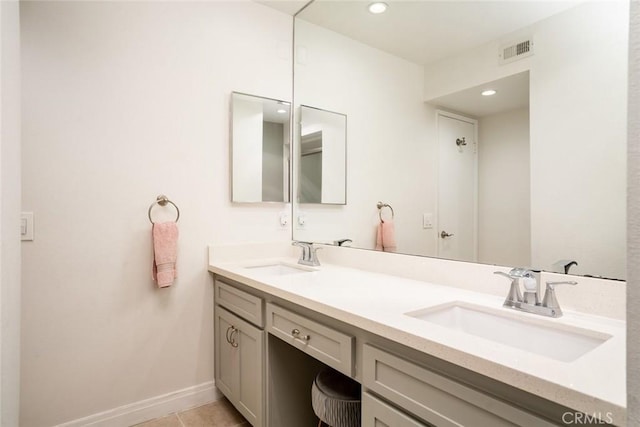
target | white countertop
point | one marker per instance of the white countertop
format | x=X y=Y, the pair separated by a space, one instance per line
x=593 y=383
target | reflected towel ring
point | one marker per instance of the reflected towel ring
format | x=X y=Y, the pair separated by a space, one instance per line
x=381 y=205
x=162 y=200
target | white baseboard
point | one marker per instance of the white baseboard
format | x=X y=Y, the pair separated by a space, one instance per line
x=149 y=409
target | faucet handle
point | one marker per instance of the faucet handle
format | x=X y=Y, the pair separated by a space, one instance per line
x=520 y=272
x=313 y=250
x=515 y=296
x=552 y=285
x=306 y=250
x=550 y=300
x=313 y=256
x=502 y=273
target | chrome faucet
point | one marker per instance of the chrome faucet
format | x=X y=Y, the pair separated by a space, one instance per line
x=308 y=255
x=342 y=242
x=564 y=265
x=531 y=300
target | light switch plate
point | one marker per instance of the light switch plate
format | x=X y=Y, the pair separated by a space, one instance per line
x=26 y=226
x=427 y=220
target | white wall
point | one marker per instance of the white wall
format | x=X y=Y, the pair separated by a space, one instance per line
x=387 y=125
x=578 y=129
x=123 y=101
x=633 y=228
x=9 y=213
x=504 y=219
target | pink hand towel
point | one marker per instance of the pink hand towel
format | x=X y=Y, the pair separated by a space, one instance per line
x=388 y=236
x=379 y=237
x=165 y=250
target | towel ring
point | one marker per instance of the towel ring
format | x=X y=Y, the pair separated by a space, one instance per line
x=381 y=205
x=162 y=200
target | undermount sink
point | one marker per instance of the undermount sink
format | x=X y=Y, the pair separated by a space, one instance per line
x=556 y=341
x=278 y=269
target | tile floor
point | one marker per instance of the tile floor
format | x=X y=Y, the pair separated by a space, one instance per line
x=217 y=414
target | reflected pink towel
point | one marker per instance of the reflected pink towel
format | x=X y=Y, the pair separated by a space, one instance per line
x=386 y=237
x=165 y=250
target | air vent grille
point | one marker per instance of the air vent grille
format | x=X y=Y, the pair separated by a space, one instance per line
x=514 y=51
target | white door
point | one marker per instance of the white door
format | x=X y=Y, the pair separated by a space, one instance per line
x=457 y=187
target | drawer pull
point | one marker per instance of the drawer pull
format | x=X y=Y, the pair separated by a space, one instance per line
x=296 y=334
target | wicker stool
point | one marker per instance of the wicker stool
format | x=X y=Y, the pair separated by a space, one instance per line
x=336 y=399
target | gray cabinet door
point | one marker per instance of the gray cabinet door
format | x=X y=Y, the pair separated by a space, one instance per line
x=239 y=372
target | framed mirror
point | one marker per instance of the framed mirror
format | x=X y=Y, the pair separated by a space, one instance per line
x=545 y=152
x=323 y=157
x=260 y=149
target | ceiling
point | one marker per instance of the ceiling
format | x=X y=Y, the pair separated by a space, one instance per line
x=511 y=92
x=424 y=31
x=270 y=110
x=290 y=7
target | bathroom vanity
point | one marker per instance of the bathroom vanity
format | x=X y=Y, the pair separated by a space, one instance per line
x=277 y=324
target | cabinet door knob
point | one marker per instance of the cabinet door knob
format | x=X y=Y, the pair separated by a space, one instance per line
x=296 y=334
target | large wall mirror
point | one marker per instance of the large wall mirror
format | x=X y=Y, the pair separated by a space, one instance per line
x=495 y=130
x=260 y=149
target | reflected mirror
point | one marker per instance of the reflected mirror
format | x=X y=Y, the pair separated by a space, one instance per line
x=322 y=159
x=259 y=149
x=496 y=131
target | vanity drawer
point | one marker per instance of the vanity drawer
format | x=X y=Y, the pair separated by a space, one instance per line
x=243 y=304
x=436 y=399
x=327 y=345
x=376 y=413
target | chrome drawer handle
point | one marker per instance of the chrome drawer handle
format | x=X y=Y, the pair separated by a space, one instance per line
x=296 y=334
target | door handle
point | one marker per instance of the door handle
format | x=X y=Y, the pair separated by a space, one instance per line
x=444 y=234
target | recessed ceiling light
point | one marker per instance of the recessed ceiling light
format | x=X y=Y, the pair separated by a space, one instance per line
x=489 y=92
x=282 y=111
x=378 y=7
